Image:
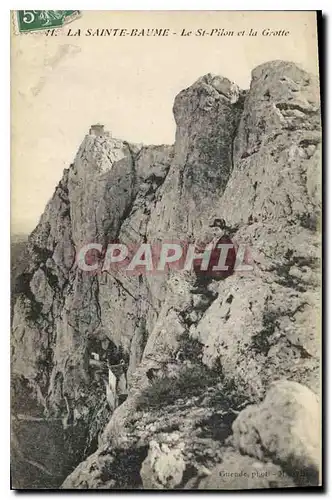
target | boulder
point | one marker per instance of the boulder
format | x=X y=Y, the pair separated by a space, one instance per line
x=284 y=428
x=163 y=468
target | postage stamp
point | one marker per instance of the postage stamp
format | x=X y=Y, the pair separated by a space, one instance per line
x=36 y=20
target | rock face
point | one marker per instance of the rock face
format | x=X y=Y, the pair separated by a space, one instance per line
x=207 y=117
x=196 y=354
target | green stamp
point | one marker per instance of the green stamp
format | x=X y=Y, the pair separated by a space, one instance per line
x=35 y=20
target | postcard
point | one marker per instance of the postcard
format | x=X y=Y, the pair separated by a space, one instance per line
x=166 y=247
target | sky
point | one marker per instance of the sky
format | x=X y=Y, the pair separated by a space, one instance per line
x=63 y=84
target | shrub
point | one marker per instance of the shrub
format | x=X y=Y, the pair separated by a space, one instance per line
x=191 y=381
x=228 y=397
x=190 y=348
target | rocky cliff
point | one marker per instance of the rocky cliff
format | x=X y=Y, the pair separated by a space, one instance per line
x=234 y=398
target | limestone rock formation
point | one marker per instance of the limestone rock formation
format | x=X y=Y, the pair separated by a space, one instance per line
x=197 y=354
